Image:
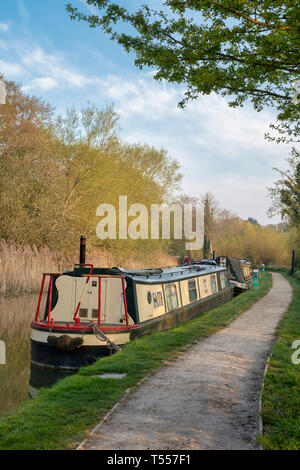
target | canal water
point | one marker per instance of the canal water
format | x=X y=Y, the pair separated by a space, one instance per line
x=16 y=314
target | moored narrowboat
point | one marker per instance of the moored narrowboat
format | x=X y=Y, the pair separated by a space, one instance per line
x=239 y=271
x=91 y=312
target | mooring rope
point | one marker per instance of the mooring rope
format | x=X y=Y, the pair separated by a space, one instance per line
x=101 y=336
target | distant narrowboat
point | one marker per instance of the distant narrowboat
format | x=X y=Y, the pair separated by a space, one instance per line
x=239 y=271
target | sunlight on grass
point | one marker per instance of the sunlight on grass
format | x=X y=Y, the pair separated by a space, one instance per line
x=281 y=394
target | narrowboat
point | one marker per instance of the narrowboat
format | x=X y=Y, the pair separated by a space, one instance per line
x=91 y=312
x=239 y=271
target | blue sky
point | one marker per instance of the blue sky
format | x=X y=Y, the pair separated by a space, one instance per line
x=220 y=149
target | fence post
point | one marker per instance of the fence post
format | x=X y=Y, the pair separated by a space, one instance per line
x=293 y=263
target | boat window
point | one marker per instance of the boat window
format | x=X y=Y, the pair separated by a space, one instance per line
x=172 y=299
x=204 y=281
x=223 y=279
x=213 y=284
x=192 y=290
x=157 y=299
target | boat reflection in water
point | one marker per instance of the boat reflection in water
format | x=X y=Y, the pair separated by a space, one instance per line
x=15 y=320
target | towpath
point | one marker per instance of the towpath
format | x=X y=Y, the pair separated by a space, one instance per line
x=209 y=397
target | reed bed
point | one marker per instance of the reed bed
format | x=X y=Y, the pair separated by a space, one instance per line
x=21 y=267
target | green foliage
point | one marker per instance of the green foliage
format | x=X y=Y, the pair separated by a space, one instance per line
x=61 y=415
x=281 y=397
x=252 y=221
x=286 y=191
x=56 y=172
x=242 y=49
x=242 y=239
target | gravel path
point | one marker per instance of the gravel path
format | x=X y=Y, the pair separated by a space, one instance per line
x=209 y=397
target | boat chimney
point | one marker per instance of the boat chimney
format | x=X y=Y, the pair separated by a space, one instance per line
x=82 y=250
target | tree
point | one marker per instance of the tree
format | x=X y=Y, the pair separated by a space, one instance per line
x=286 y=192
x=27 y=166
x=210 y=208
x=252 y=221
x=56 y=172
x=245 y=49
x=238 y=238
x=177 y=246
x=97 y=168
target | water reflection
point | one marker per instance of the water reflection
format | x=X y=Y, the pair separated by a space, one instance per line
x=16 y=315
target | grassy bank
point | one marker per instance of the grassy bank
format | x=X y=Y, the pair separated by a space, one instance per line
x=281 y=394
x=60 y=417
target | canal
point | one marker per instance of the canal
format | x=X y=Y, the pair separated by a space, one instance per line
x=16 y=314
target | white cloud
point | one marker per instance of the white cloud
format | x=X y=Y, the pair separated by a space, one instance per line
x=54 y=66
x=206 y=120
x=207 y=125
x=246 y=196
x=43 y=83
x=141 y=96
x=10 y=69
x=4 y=27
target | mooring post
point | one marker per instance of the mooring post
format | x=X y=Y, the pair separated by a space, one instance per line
x=255 y=277
x=82 y=250
x=293 y=263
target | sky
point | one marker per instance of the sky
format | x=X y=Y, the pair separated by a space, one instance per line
x=66 y=63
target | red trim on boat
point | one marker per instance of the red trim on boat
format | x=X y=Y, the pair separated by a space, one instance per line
x=99 y=302
x=124 y=301
x=50 y=298
x=40 y=297
x=91 y=266
x=80 y=326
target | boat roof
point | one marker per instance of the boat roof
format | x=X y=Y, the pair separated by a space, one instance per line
x=155 y=275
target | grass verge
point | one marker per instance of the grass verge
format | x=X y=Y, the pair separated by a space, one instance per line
x=281 y=395
x=60 y=417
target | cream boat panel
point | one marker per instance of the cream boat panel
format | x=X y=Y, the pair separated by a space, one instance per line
x=89 y=340
x=70 y=290
x=204 y=284
x=148 y=310
x=66 y=304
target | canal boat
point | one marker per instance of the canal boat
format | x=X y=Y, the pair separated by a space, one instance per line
x=91 y=312
x=239 y=271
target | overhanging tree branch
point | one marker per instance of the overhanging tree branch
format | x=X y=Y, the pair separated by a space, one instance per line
x=240 y=14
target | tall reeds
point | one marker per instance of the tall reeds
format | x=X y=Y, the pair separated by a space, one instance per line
x=21 y=267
